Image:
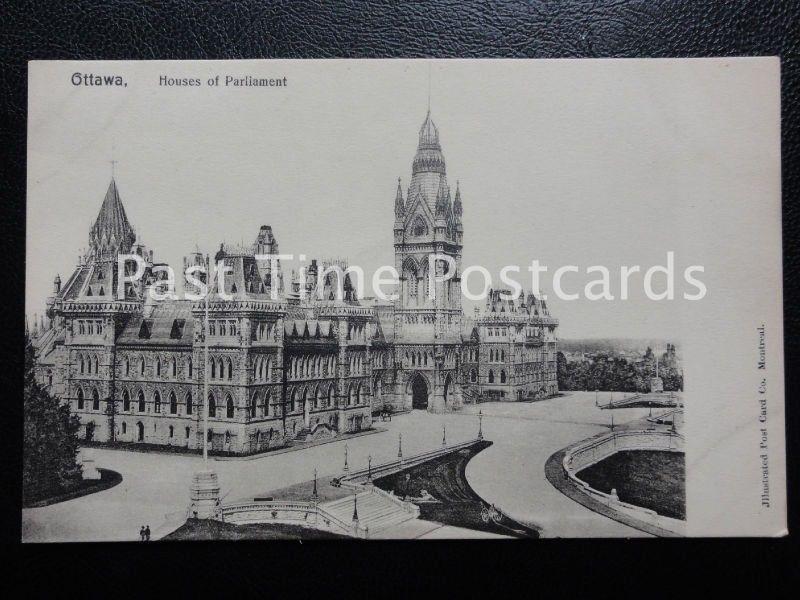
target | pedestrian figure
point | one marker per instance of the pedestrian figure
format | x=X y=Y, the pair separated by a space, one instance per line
x=141 y=534
x=147 y=533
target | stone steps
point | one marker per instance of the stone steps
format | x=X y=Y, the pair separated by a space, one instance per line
x=374 y=511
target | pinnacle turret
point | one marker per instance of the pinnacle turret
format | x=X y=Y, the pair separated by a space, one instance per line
x=457 y=208
x=399 y=204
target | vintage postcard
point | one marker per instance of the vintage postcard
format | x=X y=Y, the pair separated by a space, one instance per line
x=403 y=299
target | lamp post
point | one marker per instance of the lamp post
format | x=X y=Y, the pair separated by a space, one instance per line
x=314 y=495
x=444 y=436
x=480 y=425
x=346 y=466
x=400 y=447
x=369 y=468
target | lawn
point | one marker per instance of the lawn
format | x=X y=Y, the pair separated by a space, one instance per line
x=82 y=487
x=648 y=478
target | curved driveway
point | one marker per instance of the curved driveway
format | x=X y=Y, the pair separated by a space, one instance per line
x=510 y=473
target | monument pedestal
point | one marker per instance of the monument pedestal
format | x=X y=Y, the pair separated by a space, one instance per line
x=87 y=462
x=204 y=491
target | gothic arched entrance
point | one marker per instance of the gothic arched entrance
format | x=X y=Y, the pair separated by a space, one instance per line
x=419 y=392
x=139 y=432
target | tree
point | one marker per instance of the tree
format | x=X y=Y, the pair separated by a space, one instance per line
x=50 y=447
x=561 y=371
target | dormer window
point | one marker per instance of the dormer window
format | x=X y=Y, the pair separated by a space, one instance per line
x=177 y=329
x=145 y=329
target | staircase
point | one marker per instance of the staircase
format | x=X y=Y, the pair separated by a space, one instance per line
x=375 y=510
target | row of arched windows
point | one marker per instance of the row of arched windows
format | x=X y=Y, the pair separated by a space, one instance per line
x=221 y=368
x=503 y=376
x=380 y=359
x=171 y=405
x=356 y=364
x=319 y=398
x=95 y=399
x=262 y=368
x=88 y=364
x=497 y=355
x=167 y=367
x=419 y=359
x=311 y=366
x=497 y=331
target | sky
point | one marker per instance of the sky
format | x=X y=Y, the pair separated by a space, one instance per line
x=568 y=162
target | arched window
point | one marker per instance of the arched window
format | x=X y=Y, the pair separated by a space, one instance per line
x=293 y=404
x=158 y=367
x=256 y=369
x=141 y=367
x=189 y=368
x=95 y=399
x=491 y=376
x=187 y=433
x=173 y=403
x=80 y=399
x=331 y=395
x=473 y=376
x=265 y=406
x=82 y=365
x=127 y=366
x=140 y=398
x=126 y=401
x=418 y=228
x=351 y=395
x=156 y=402
x=213 y=369
x=502 y=355
x=171 y=431
x=316 y=397
x=212 y=406
x=229 y=407
x=253 y=405
x=96 y=369
x=174 y=367
x=269 y=369
x=502 y=376
x=360 y=394
x=124 y=428
x=230 y=369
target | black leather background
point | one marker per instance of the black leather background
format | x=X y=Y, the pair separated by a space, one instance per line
x=178 y=29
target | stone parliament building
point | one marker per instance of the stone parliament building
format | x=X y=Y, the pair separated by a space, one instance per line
x=302 y=366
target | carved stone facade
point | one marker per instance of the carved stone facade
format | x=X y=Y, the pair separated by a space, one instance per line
x=303 y=366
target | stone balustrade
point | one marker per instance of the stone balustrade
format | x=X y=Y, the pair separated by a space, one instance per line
x=596 y=449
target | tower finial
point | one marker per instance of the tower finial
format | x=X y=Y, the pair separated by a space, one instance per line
x=112 y=161
x=429 y=88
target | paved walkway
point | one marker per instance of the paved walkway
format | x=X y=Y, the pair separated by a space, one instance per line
x=510 y=473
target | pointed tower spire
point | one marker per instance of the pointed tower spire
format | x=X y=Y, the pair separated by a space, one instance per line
x=457 y=208
x=111 y=232
x=399 y=204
